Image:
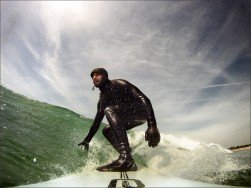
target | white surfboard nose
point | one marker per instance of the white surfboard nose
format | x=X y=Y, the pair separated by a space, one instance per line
x=97 y=179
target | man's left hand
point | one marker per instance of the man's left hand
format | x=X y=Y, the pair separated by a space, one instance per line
x=152 y=136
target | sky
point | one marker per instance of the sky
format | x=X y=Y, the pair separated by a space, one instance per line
x=190 y=58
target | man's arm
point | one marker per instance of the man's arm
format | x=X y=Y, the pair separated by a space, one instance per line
x=96 y=124
x=94 y=128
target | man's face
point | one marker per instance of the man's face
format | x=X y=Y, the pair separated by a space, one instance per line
x=97 y=79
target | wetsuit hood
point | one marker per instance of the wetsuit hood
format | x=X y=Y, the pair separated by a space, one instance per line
x=100 y=71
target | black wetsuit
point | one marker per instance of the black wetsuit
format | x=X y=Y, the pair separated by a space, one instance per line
x=125 y=107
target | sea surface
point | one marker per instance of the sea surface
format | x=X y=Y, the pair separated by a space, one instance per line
x=39 y=143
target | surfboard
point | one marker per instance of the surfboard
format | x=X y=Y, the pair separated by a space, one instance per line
x=101 y=179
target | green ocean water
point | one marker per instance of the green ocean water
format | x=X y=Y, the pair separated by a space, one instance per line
x=39 y=143
x=38 y=140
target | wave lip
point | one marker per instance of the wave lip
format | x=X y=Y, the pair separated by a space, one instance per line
x=186 y=158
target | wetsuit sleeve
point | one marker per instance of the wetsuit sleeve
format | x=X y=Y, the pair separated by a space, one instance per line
x=96 y=124
x=146 y=103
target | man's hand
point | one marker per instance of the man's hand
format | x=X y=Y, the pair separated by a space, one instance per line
x=152 y=136
x=84 y=145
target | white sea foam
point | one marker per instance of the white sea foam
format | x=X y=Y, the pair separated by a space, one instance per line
x=174 y=156
x=172 y=163
x=183 y=157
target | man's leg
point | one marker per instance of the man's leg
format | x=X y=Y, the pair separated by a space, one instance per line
x=117 y=127
x=131 y=124
x=118 y=138
x=128 y=118
x=109 y=135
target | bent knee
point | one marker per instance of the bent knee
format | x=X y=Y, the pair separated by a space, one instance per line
x=106 y=130
x=110 y=109
x=140 y=122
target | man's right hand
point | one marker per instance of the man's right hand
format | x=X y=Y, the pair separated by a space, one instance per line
x=84 y=145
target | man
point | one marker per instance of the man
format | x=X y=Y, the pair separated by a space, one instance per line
x=125 y=107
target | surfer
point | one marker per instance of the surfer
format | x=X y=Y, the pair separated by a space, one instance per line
x=125 y=107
